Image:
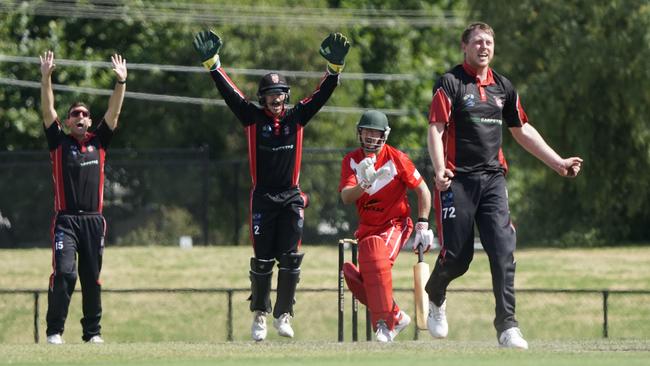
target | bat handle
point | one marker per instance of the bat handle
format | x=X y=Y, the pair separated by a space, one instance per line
x=420 y=253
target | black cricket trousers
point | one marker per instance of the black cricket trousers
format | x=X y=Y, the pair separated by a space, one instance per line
x=277 y=220
x=481 y=198
x=83 y=236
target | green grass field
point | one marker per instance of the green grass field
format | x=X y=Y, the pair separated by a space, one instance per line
x=302 y=353
x=201 y=267
x=189 y=328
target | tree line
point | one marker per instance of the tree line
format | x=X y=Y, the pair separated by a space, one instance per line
x=580 y=67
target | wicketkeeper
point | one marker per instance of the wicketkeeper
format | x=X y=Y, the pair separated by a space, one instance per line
x=275 y=135
x=375 y=177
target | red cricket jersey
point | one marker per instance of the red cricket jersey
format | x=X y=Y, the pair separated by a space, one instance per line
x=386 y=200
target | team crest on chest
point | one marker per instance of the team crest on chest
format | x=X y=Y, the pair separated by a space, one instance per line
x=499 y=102
x=469 y=100
x=266 y=131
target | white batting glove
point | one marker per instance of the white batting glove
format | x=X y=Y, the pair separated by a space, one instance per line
x=372 y=176
x=423 y=236
x=366 y=173
x=382 y=173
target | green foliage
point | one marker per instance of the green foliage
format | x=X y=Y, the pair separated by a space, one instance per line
x=425 y=52
x=147 y=124
x=581 y=69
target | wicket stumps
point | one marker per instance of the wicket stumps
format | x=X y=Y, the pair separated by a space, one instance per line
x=352 y=244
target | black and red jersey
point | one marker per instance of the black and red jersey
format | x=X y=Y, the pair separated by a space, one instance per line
x=78 y=168
x=474 y=112
x=274 y=144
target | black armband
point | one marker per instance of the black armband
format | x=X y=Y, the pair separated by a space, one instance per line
x=121 y=81
x=423 y=219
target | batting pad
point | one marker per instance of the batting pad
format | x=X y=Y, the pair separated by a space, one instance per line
x=377 y=279
x=355 y=282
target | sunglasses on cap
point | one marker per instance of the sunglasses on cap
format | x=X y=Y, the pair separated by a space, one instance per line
x=79 y=113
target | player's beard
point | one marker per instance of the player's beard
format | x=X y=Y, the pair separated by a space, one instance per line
x=372 y=145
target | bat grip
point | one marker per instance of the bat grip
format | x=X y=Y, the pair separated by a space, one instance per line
x=420 y=253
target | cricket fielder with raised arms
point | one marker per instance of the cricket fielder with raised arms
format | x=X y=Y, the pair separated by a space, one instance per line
x=275 y=136
x=78 y=227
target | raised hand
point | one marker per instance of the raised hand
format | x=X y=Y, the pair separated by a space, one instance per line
x=207 y=44
x=334 y=48
x=47 y=94
x=119 y=67
x=47 y=63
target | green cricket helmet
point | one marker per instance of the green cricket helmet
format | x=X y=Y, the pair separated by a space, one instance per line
x=373 y=120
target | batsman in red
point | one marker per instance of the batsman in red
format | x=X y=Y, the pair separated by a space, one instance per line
x=376 y=177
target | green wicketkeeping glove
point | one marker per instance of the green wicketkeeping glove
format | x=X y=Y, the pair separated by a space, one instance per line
x=207 y=44
x=334 y=48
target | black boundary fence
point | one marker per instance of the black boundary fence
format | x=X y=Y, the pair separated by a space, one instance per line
x=156 y=196
x=605 y=293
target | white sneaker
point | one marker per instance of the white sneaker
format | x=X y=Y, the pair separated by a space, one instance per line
x=437 y=320
x=283 y=325
x=512 y=338
x=404 y=321
x=55 y=339
x=258 y=329
x=382 y=334
x=96 y=340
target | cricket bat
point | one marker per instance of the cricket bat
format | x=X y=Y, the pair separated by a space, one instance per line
x=420 y=278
